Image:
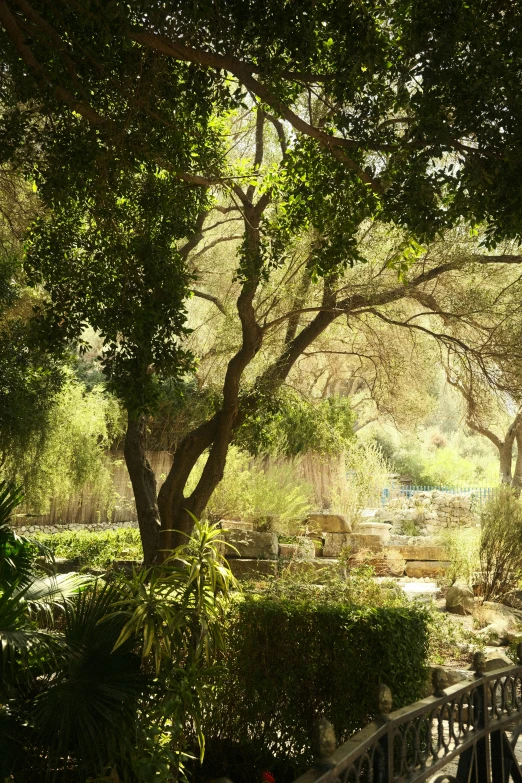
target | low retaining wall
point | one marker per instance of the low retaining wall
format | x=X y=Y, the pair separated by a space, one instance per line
x=431 y=512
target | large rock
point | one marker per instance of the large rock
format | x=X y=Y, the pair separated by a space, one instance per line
x=490 y=612
x=496 y=660
x=513 y=599
x=421 y=552
x=251 y=544
x=334 y=543
x=328 y=523
x=252 y=569
x=302 y=549
x=418 y=569
x=460 y=599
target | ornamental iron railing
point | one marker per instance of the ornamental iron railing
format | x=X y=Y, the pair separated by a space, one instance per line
x=465 y=733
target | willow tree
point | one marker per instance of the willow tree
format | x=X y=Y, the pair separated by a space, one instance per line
x=120 y=113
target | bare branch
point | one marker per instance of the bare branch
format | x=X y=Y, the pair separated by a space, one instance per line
x=210 y=298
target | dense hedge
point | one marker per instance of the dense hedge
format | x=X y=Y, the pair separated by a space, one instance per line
x=290 y=661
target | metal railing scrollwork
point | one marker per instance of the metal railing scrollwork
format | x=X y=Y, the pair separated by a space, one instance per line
x=471 y=727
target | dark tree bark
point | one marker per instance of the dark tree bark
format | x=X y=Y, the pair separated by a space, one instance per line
x=144 y=487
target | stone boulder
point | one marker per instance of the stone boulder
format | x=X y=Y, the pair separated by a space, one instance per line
x=251 y=544
x=459 y=600
x=328 y=523
x=302 y=549
x=490 y=612
x=496 y=660
x=335 y=542
x=513 y=599
x=497 y=621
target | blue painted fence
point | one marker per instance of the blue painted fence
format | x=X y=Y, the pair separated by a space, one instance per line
x=479 y=494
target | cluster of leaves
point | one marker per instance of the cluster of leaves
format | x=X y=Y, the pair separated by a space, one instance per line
x=30 y=377
x=316 y=195
x=288 y=424
x=69 y=448
x=106 y=678
x=109 y=260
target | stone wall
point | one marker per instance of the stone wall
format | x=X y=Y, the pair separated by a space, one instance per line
x=431 y=512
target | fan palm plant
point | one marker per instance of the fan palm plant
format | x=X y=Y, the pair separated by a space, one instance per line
x=106 y=679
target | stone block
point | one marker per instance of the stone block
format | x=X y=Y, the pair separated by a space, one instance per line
x=328 y=523
x=418 y=569
x=302 y=549
x=334 y=543
x=318 y=543
x=413 y=552
x=369 y=541
x=235 y=524
x=252 y=569
x=251 y=544
x=374 y=528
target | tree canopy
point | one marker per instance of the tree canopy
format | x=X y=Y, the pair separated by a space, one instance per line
x=308 y=123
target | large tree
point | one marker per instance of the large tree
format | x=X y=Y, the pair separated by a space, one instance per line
x=120 y=112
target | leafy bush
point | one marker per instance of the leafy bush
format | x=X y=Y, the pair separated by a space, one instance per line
x=463 y=548
x=363 y=472
x=252 y=492
x=449 y=642
x=96 y=549
x=290 y=660
x=501 y=543
x=288 y=424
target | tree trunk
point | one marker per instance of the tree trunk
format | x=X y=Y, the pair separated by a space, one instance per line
x=506 y=459
x=517 y=474
x=144 y=487
x=178 y=511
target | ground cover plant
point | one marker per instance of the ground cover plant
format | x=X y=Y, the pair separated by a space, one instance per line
x=92 y=549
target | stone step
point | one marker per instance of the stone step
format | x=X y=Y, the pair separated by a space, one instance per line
x=419 y=552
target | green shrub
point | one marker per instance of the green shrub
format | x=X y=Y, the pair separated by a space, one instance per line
x=250 y=491
x=501 y=543
x=93 y=549
x=463 y=549
x=290 y=661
